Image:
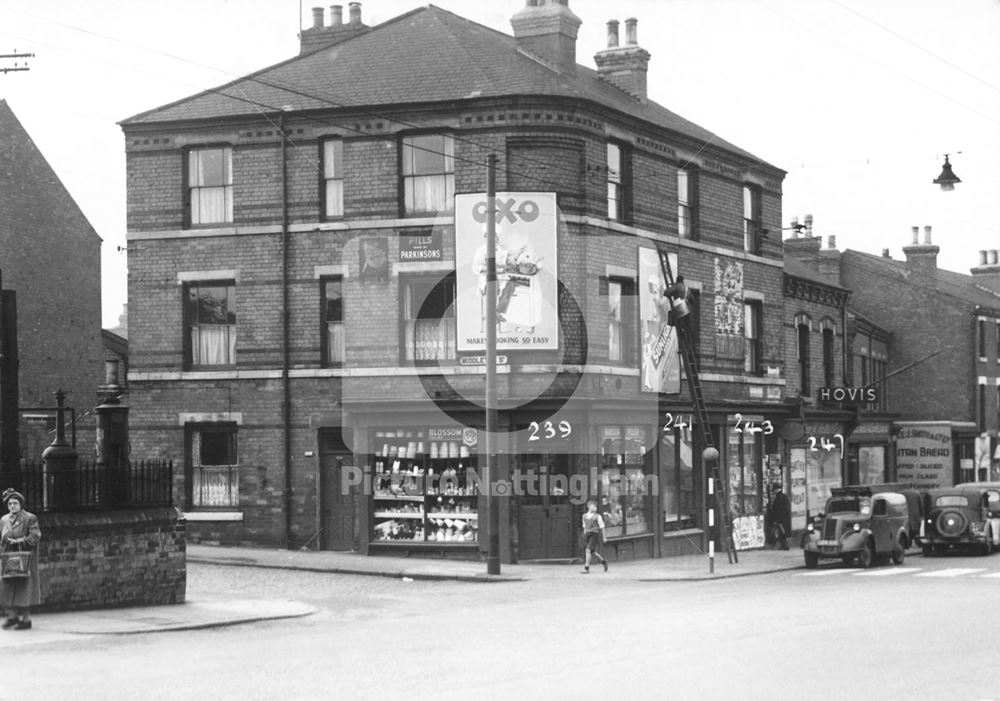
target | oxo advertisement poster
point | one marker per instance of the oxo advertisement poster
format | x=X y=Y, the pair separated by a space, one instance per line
x=527 y=308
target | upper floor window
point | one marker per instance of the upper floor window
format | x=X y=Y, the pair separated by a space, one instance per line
x=210 y=185
x=428 y=174
x=621 y=292
x=803 y=333
x=333 y=322
x=428 y=317
x=616 y=182
x=687 y=203
x=333 y=178
x=213 y=472
x=751 y=219
x=753 y=337
x=828 y=356
x=210 y=323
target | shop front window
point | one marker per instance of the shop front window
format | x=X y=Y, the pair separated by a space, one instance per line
x=745 y=473
x=625 y=485
x=677 y=483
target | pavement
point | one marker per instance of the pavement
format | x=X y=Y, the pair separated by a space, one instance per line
x=199 y=612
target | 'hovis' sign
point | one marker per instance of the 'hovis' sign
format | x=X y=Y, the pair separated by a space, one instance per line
x=847 y=395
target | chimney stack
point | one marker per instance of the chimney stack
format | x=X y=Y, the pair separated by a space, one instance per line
x=319 y=36
x=547 y=29
x=989 y=264
x=921 y=259
x=625 y=66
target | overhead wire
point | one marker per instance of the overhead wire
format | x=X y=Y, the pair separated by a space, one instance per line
x=329 y=121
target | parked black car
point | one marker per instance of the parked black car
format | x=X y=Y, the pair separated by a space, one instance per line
x=966 y=516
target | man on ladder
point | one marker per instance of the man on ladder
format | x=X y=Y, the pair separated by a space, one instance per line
x=679 y=296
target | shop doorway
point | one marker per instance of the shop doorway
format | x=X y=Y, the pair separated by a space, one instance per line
x=546 y=514
x=339 y=499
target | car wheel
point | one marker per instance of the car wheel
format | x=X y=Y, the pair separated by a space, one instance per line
x=812 y=559
x=866 y=556
x=898 y=553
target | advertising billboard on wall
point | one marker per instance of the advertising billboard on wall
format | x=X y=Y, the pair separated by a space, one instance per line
x=924 y=455
x=661 y=369
x=527 y=288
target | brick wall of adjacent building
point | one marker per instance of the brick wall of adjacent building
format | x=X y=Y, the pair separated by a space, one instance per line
x=50 y=256
x=116 y=558
x=922 y=320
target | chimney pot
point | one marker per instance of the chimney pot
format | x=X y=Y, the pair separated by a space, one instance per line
x=927 y=235
x=355 y=11
x=317 y=17
x=916 y=235
x=982 y=257
x=612 y=34
x=336 y=16
x=831 y=242
x=992 y=256
x=808 y=220
x=631 y=31
x=885 y=253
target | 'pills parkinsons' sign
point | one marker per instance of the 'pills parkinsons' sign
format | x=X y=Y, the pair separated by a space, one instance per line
x=925 y=455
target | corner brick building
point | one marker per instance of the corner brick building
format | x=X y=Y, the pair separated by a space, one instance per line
x=306 y=328
x=50 y=260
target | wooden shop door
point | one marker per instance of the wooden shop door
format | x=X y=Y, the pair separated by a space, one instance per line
x=545 y=524
x=339 y=508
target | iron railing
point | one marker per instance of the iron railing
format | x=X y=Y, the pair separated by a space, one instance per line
x=93 y=486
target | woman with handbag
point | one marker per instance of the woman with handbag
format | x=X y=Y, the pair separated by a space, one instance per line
x=19 y=532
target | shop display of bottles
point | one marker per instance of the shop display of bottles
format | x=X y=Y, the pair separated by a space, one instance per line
x=424 y=491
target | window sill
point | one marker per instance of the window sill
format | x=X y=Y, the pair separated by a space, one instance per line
x=213 y=515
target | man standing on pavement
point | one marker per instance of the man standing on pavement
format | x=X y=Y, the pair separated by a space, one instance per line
x=780 y=516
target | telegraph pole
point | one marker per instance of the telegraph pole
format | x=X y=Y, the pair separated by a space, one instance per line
x=493 y=500
x=18 y=65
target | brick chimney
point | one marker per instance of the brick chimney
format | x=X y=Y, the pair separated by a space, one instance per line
x=319 y=35
x=547 y=29
x=624 y=66
x=829 y=259
x=805 y=245
x=988 y=264
x=921 y=258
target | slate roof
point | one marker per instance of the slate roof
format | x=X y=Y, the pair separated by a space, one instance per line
x=800 y=269
x=427 y=55
x=963 y=287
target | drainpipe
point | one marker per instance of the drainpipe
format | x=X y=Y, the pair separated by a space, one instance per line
x=286 y=399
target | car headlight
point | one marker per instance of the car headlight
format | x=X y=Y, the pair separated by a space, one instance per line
x=810 y=528
x=857 y=527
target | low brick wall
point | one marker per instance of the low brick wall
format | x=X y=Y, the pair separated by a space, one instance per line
x=112 y=558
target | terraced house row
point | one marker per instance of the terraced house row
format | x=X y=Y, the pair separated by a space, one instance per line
x=306 y=259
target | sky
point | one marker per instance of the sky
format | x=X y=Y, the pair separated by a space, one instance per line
x=857 y=100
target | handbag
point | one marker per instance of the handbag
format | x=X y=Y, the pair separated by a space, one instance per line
x=15 y=564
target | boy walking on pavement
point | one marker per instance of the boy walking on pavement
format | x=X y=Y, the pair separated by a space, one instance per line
x=593 y=533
